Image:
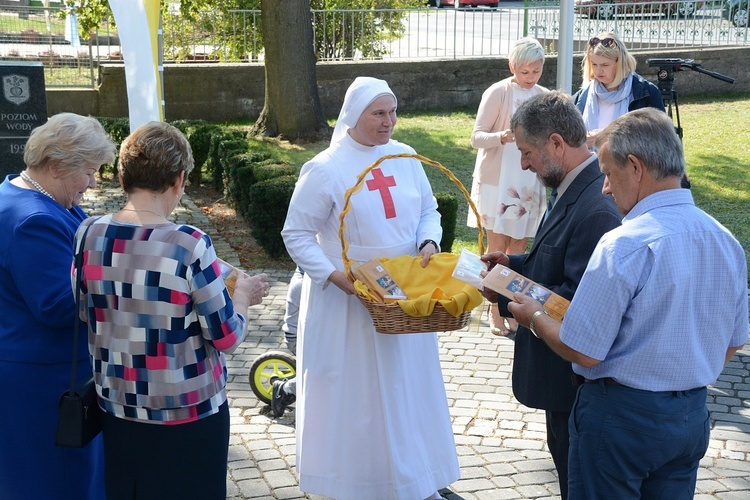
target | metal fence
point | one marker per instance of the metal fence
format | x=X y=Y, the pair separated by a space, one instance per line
x=48 y=36
x=236 y=36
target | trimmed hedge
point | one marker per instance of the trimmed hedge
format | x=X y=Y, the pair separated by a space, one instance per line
x=448 y=208
x=118 y=129
x=239 y=175
x=260 y=187
x=268 y=202
x=198 y=133
x=215 y=152
x=272 y=170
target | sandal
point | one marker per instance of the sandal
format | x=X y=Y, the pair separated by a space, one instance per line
x=495 y=319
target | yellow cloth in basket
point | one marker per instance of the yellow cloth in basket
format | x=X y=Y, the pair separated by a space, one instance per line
x=429 y=285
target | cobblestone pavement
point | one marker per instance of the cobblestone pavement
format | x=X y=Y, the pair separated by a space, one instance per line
x=500 y=442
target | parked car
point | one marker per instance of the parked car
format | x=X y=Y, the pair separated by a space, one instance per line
x=735 y=11
x=463 y=3
x=607 y=9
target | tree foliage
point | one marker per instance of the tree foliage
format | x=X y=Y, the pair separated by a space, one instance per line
x=215 y=27
x=90 y=14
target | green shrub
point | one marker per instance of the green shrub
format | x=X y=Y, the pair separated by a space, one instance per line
x=118 y=129
x=245 y=159
x=239 y=175
x=183 y=125
x=239 y=188
x=198 y=134
x=235 y=142
x=448 y=208
x=268 y=202
x=200 y=142
x=265 y=171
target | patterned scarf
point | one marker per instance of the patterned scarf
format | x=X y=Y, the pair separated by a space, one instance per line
x=620 y=97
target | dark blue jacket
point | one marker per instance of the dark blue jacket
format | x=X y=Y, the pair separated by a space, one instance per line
x=557 y=259
x=645 y=95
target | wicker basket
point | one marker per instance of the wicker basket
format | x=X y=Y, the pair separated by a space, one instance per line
x=390 y=318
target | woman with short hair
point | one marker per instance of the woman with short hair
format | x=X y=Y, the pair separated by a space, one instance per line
x=39 y=215
x=160 y=319
x=510 y=200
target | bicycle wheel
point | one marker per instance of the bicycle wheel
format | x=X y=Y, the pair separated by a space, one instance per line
x=276 y=364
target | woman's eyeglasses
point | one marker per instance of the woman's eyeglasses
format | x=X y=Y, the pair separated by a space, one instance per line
x=607 y=42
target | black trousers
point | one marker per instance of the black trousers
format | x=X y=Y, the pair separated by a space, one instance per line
x=558 y=442
x=163 y=462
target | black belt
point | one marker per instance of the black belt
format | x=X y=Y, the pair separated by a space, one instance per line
x=580 y=380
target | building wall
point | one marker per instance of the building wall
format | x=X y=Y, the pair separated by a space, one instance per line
x=224 y=92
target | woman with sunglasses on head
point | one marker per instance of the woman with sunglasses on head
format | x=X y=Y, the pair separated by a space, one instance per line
x=611 y=87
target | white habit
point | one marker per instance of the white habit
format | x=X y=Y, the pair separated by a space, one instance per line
x=372 y=412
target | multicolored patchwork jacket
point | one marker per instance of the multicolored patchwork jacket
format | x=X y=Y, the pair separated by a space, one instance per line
x=159 y=319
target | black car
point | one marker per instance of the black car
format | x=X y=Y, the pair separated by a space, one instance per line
x=736 y=12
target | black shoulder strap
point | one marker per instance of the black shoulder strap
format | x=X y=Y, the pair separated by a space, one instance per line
x=76 y=320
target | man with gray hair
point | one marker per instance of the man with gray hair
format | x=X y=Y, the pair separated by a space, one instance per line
x=661 y=308
x=551 y=136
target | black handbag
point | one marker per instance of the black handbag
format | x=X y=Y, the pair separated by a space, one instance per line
x=78 y=417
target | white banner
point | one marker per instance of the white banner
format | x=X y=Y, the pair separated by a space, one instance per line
x=138 y=27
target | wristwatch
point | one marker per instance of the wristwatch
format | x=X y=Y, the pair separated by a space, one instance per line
x=532 y=321
x=427 y=242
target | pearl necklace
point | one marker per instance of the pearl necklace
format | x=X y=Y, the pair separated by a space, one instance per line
x=34 y=183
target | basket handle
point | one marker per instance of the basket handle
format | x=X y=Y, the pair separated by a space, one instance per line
x=358 y=186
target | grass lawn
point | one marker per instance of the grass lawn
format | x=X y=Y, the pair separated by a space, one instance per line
x=716 y=135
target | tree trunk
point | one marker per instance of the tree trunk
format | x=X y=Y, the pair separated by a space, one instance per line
x=292 y=108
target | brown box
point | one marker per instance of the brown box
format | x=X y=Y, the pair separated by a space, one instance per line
x=507 y=282
x=229 y=275
x=376 y=278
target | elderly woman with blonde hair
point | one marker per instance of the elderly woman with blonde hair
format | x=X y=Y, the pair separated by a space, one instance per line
x=611 y=87
x=39 y=215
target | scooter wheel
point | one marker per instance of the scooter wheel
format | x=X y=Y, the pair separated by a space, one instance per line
x=273 y=364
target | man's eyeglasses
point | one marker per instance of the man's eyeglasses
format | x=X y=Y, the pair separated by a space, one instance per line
x=607 y=42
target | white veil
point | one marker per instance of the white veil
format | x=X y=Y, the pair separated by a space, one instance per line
x=360 y=94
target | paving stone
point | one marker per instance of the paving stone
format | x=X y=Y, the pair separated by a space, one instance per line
x=537 y=477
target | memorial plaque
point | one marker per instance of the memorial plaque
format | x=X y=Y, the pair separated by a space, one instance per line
x=23 y=107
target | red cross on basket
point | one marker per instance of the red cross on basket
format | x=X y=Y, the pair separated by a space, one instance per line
x=381 y=183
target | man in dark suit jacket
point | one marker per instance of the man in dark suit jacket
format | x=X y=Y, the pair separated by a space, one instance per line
x=550 y=133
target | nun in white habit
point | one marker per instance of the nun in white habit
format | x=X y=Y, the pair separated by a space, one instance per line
x=372 y=413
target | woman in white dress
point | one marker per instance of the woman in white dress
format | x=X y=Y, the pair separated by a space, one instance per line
x=372 y=412
x=510 y=200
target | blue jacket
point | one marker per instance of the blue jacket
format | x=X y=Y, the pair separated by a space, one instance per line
x=36 y=301
x=557 y=259
x=644 y=93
